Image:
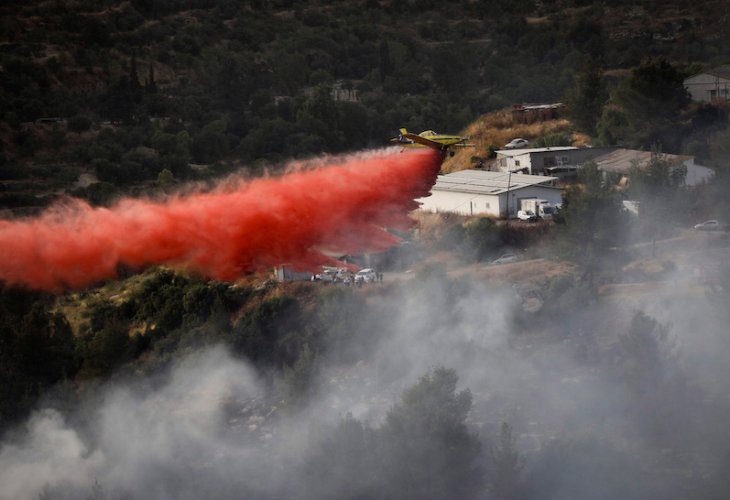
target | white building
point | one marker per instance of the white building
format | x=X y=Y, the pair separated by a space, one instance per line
x=712 y=85
x=474 y=192
x=623 y=161
x=559 y=161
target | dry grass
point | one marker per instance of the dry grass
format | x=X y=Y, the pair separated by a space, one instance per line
x=432 y=227
x=76 y=306
x=496 y=128
x=527 y=273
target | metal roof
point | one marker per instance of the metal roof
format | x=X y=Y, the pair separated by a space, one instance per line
x=485 y=182
x=554 y=105
x=622 y=161
x=524 y=151
x=721 y=71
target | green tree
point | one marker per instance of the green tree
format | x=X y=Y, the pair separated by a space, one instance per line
x=649 y=368
x=37 y=350
x=651 y=100
x=343 y=463
x=505 y=476
x=594 y=222
x=588 y=468
x=212 y=143
x=79 y=123
x=553 y=140
x=481 y=238
x=720 y=148
x=386 y=64
x=263 y=335
x=586 y=99
x=165 y=177
x=118 y=103
x=647 y=352
x=656 y=186
x=426 y=450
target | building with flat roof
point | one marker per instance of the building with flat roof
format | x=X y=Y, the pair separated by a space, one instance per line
x=712 y=85
x=561 y=161
x=498 y=194
x=530 y=113
x=622 y=161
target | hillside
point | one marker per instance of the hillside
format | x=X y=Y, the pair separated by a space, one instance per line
x=230 y=85
x=496 y=129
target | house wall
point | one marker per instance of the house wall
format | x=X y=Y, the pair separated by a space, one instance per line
x=512 y=163
x=570 y=157
x=537 y=161
x=697 y=174
x=708 y=88
x=463 y=203
x=483 y=204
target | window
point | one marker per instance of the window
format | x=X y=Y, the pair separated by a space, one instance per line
x=517 y=163
x=487 y=205
x=548 y=161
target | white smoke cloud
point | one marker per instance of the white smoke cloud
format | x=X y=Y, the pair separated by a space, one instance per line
x=210 y=428
x=50 y=454
x=148 y=442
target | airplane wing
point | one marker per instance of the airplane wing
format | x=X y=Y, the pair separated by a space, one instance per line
x=422 y=140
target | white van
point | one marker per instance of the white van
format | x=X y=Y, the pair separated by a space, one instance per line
x=365 y=275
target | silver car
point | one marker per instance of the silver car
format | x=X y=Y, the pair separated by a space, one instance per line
x=505 y=259
x=516 y=144
x=709 y=225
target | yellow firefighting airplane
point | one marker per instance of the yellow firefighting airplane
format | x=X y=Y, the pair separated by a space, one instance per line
x=430 y=139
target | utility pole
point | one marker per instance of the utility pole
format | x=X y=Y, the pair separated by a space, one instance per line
x=509 y=182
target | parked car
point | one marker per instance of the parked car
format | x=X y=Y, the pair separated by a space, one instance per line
x=505 y=259
x=710 y=225
x=327 y=276
x=528 y=215
x=365 y=275
x=516 y=144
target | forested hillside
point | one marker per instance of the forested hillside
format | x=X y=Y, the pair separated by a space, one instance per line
x=144 y=87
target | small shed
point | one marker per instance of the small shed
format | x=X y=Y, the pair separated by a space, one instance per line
x=286 y=273
x=531 y=113
x=474 y=192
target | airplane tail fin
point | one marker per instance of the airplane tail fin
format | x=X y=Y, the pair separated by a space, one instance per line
x=401 y=133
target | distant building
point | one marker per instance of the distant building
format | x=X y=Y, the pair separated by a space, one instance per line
x=711 y=86
x=286 y=273
x=559 y=162
x=623 y=161
x=474 y=192
x=531 y=113
x=342 y=93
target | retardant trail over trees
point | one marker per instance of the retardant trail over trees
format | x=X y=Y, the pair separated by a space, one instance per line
x=340 y=206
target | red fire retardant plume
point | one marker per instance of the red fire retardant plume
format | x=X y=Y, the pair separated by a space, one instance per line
x=336 y=208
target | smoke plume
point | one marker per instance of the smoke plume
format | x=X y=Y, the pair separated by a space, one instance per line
x=293 y=219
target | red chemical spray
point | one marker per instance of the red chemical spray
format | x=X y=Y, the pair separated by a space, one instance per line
x=341 y=208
